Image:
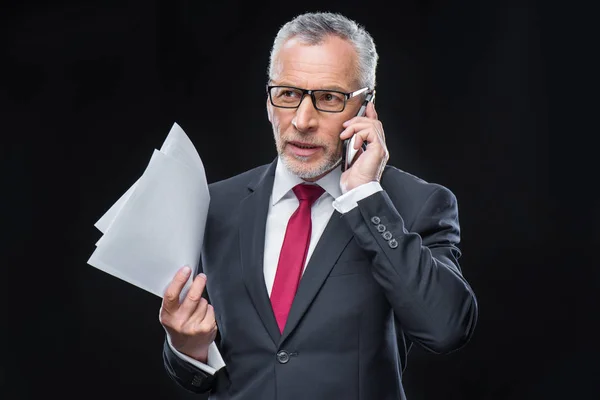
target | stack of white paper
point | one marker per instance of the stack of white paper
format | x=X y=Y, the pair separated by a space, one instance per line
x=157 y=226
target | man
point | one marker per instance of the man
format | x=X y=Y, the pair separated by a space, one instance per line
x=317 y=281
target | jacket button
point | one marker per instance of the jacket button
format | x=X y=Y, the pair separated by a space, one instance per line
x=387 y=235
x=393 y=243
x=375 y=220
x=197 y=381
x=381 y=228
x=283 y=357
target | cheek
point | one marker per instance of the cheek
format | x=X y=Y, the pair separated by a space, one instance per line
x=334 y=132
x=280 y=121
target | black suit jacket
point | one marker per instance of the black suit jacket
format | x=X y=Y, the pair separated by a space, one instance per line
x=382 y=276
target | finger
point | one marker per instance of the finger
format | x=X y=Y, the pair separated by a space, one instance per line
x=209 y=318
x=347 y=132
x=370 y=112
x=366 y=132
x=193 y=296
x=200 y=313
x=203 y=326
x=359 y=139
x=362 y=123
x=358 y=153
x=170 y=302
x=352 y=121
x=352 y=128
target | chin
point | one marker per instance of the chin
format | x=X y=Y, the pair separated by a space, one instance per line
x=304 y=168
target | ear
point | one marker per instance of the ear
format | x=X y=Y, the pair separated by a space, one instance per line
x=269 y=110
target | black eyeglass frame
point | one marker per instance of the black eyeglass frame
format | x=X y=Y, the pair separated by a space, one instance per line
x=311 y=93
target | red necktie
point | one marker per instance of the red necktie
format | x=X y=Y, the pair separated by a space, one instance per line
x=293 y=253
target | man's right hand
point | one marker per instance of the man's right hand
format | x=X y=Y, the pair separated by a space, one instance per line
x=191 y=324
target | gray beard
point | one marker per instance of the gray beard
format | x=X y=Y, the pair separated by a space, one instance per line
x=308 y=174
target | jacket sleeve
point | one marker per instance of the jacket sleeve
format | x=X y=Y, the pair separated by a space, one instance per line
x=186 y=375
x=419 y=270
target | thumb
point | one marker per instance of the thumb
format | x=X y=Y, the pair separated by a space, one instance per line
x=371 y=113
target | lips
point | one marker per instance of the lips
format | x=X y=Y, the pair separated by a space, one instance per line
x=303 y=149
x=303 y=145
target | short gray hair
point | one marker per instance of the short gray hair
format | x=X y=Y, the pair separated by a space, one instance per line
x=313 y=28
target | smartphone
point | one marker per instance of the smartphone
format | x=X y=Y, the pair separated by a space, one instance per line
x=348 y=150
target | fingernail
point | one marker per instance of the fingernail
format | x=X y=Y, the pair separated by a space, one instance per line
x=186 y=270
x=202 y=274
x=345 y=123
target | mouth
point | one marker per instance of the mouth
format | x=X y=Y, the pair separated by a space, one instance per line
x=303 y=149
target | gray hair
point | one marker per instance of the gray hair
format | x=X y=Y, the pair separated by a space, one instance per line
x=313 y=28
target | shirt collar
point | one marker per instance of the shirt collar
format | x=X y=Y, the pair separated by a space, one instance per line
x=285 y=180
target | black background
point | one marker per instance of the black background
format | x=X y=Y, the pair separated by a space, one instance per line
x=487 y=98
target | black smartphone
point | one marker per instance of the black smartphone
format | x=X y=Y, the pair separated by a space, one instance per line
x=348 y=151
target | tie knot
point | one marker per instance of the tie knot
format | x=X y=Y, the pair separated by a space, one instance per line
x=308 y=192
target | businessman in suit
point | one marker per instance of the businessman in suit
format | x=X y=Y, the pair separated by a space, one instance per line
x=313 y=282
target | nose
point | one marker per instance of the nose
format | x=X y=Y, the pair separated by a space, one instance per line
x=305 y=119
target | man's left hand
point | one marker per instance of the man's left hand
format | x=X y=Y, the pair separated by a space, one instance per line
x=369 y=164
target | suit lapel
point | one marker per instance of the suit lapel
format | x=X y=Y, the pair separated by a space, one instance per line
x=334 y=239
x=254 y=210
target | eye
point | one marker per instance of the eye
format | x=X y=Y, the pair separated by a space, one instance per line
x=331 y=97
x=288 y=93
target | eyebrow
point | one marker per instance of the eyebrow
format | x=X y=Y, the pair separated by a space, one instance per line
x=327 y=87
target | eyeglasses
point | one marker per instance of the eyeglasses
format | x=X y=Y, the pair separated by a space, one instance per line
x=324 y=100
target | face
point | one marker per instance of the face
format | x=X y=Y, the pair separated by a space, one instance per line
x=308 y=140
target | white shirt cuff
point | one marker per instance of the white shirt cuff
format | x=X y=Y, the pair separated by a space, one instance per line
x=349 y=200
x=213 y=363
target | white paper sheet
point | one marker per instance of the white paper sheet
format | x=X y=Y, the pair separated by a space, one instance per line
x=176 y=144
x=104 y=223
x=157 y=225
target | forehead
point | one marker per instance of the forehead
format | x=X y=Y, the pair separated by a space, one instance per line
x=328 y=65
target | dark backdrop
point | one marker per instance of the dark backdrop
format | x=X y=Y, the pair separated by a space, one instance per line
x=477 y=96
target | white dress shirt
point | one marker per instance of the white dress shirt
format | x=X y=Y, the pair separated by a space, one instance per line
x=282 y=204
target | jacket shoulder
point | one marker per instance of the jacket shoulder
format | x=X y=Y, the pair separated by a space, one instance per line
x=230 y=191
x=398 y=180
x=409 y=193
